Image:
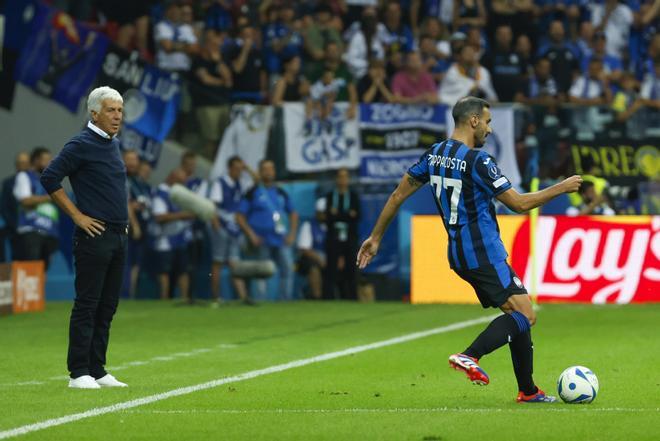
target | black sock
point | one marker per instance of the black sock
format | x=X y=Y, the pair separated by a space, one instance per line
x=522 y=355
x=499 y=332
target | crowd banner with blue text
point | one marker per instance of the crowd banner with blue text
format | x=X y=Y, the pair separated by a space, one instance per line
x=501 y=144
x=394 y=136
x=61 y=58
x=151 y=100
x=314 y=145
x=246 y=136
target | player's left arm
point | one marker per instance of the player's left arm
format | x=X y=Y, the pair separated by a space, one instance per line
x=521 y=203
x=407 y=186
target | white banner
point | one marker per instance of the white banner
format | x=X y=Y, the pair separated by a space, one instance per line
x=314 y=145
x=501 y=144
x=246 y=136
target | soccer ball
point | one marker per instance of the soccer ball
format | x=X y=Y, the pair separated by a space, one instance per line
x=577 y=384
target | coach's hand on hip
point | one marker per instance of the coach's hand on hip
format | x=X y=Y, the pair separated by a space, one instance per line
x=89 y=225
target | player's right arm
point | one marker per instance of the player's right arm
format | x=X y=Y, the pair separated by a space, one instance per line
x=521 y=203
x=369 y=248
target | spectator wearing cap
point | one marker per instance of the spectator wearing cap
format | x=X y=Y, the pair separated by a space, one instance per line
x=504 y=64
x=176 y=41
x=245 y=60
x=591 y=88
x=210 y=87
x=466 y=77
x=372 y=88
x=363 y=45
x=562 y=56
x=612 y=65
x=615 y=18
x=282 y=39
x=292 y=86
x=395 y=36
x=321 y=32
x=413 y=84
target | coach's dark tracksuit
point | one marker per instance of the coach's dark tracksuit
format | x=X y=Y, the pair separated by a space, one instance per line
x=97 y=174
x=342 y=213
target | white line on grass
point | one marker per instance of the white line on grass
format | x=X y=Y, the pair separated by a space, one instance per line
x=22 y=430
x=518 y=408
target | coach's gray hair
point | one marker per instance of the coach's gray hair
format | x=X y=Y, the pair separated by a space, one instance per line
x=99 y=94
x=466 y=107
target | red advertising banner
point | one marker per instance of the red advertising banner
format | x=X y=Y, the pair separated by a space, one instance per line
x=590 y=259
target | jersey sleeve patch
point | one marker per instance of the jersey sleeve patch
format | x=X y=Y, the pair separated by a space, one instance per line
x=489 y=176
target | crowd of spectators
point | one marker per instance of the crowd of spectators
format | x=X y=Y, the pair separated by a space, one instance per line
x=256 y=223
x=412 y=51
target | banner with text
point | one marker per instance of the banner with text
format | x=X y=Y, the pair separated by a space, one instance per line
x=246 y=136
x=151 y=100
x=394 y=136
x=588 y=259
x=624 y=162
x=61 y=58
x=314 y=145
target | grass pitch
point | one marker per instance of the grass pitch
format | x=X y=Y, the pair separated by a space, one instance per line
x=398 y=392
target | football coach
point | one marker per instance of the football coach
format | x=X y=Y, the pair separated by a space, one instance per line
x=93 y=163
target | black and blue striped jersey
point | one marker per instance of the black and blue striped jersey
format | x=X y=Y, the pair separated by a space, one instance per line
x=464 y=181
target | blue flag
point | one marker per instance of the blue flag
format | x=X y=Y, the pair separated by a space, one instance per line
x=61 y=58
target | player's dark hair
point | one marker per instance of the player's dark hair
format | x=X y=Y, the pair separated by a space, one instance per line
x=232 y=160
x=466 y=107
x=37 y=152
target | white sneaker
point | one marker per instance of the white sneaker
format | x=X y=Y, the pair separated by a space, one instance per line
x=110 y=381
x=83 y=382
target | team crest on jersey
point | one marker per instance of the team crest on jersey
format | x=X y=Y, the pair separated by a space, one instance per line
x=493 y=171
x=517 y=281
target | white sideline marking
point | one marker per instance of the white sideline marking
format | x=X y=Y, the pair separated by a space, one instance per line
x=22 y=430
x=520 y=408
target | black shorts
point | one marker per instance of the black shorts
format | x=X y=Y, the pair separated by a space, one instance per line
x=494 y=284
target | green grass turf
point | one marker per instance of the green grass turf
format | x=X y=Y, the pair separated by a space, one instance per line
x=405 y=391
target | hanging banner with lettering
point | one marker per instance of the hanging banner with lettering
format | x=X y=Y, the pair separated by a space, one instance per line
x=61 y=58
x=151 y=100
x=314 y=145
x=246 y=136
x=621 y=162
x=501 y=143
x=394 y=136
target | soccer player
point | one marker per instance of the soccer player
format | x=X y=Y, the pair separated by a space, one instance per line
x=464 y=181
